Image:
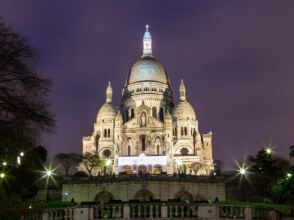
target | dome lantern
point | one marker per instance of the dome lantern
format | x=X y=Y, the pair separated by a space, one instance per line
x=109 y=93
x=147 y=43
x=182 y=91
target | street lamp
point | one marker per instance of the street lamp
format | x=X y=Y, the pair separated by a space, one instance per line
x=108 y=163
x=289 y=175
x=21 y=154
x=242 y=171
x=48 y=173
x=268 y=150
x=2 y=175
x=4 y=163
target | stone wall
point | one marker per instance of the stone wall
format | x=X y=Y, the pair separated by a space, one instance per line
x=144 y=188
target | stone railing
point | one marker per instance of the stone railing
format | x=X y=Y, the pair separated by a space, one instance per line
x=139 y=177
x=161 y=210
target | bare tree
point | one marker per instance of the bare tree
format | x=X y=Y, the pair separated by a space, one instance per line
x=68 y=160
x=90 y=161
x=24 y=101
x=196 y=167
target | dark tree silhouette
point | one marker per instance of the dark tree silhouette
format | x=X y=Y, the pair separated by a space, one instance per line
x=24 y=101
x=68 y=160
x=90 y=161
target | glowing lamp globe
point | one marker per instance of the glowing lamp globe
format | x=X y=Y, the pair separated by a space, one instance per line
x=268 y=151
x=108 y=163
x=49 y=172
x=242 y=171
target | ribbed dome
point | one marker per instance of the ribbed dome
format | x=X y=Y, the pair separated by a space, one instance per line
x=184 y=110
x=147 y=69
x=107 y=111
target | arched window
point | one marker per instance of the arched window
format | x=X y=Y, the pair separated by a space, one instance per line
x=132 y=113
x=157 y=149
x=108 y=132
x=154 y=112
x=105 y=133
x=143 y=141
x=182 y=131
x=143 y=119
x=129 y=150
x=129 y=146
x=186 y=131
x=161 y=114
x=157 y=144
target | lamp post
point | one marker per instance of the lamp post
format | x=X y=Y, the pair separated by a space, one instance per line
x=2 y=175
x=18 y=159
x=242 y=171
x=48 y=173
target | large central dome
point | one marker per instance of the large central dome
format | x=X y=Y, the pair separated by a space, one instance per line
x=147 y=69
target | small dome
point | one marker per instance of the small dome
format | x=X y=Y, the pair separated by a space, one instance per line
x=147 y=69
x=184 y=110
x=107 y=111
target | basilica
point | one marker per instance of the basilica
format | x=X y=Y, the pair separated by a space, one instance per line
x=149 y=132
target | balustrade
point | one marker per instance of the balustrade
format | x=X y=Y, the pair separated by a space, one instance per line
x=145 y=210
x=233 y=212
x=108 y=211
x=183 y=210
x=156 y=210
x=260 y=213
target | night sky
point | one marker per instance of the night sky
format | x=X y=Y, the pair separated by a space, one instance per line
x=236 y=58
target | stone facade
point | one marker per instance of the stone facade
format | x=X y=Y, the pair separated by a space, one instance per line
x=163 y=189
x=148 y=133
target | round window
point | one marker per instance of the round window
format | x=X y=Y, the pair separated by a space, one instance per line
x=106 y=153
x=184 y=151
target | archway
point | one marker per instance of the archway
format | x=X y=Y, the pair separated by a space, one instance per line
x=142 y=169
x=157 y=169
x=127 y=170
x=103 y=197
x=144 y=195
x=183 y=195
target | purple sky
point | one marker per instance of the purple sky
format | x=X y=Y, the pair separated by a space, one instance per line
x=236 y=58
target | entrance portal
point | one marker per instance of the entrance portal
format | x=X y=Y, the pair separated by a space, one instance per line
x=142 y=169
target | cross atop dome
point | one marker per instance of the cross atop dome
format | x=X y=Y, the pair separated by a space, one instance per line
x=147 y=43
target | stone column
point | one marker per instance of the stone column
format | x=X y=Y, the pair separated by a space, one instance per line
x=248 y=213
x=164 y=211
x=45 y=216
x=126 y=211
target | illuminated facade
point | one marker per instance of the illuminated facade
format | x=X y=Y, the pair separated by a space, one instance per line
x=149 y=133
